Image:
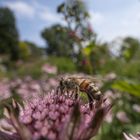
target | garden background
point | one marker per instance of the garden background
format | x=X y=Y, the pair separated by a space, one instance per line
x=75 y=39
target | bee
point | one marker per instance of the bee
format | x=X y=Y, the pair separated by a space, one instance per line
x=77 y=84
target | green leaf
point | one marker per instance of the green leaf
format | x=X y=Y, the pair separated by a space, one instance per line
x=61 y=8
x=129 y=87
x=88 y=49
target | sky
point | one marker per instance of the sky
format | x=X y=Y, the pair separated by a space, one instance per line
x=110 y=19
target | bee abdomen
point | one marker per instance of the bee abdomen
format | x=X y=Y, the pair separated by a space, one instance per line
x=94 y=90
x=84 y=85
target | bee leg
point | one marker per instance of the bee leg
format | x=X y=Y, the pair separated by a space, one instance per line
x=90 y=98
x=99 y=101
x=77 y=92
x=62 y=90
x=57 y=90
x=98 y=98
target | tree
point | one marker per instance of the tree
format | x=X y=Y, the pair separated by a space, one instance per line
x=96 y=56
x=129 y=48
x=24 y=51
x=76 y=17
x=8 y=34
x=35 y=50
x=58 y=40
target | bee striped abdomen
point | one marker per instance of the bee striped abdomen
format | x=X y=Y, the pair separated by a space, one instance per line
x=92 y=88
x=94 y=91
x=84 y=85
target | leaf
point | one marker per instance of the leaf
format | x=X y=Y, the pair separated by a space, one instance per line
x=125 y=86
x=127 y=54
x=107 y=85
x=88 y=49
x=61 y=8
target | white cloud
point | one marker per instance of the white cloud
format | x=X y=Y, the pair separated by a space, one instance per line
x=96 y=17
x=132 y=20
x=21 y=8
x=51 y=17
x=110 y=25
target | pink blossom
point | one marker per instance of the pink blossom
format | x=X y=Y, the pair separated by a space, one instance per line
x=136 y=108
x=47 y=68
x=122 y=117
x=110 y=76
x=58 y=117
x=4 y=89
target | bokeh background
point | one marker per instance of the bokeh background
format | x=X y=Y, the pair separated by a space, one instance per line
x=40 y=40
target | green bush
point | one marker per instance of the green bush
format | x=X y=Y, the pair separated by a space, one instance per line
x=63 y=64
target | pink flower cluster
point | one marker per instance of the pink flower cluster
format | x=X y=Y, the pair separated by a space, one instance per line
x=27 y=87
x=49 y=69
x=4 y=89
x=60 y=117
x=53 y=116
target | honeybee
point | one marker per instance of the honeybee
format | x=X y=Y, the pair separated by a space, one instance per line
x=83 y=84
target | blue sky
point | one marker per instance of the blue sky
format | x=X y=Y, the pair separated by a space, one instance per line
x=109 y=18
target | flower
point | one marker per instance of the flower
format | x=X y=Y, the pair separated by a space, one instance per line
x=4 y=89
x=122 y=117
x=136 y=108
x=58 y=117
x=27 y=87
x=90 y=28
x=110 y=76
x=131 y=137
x=49 y=69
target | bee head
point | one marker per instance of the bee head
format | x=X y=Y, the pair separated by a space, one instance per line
x=67 y=83
x=62 y=82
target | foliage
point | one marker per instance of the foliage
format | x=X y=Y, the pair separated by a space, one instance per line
x=24 y=51
x=97 y=55
x=28 y=50
x=58 y=40
x=127 y=86
x=76 y=17
x=125 y=95
x=35 y=51
x=129 y=48
x=64 y=65
x=33 y=67
x=8 y=34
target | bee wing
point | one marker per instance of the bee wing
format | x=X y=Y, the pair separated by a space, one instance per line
x=92 y=79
